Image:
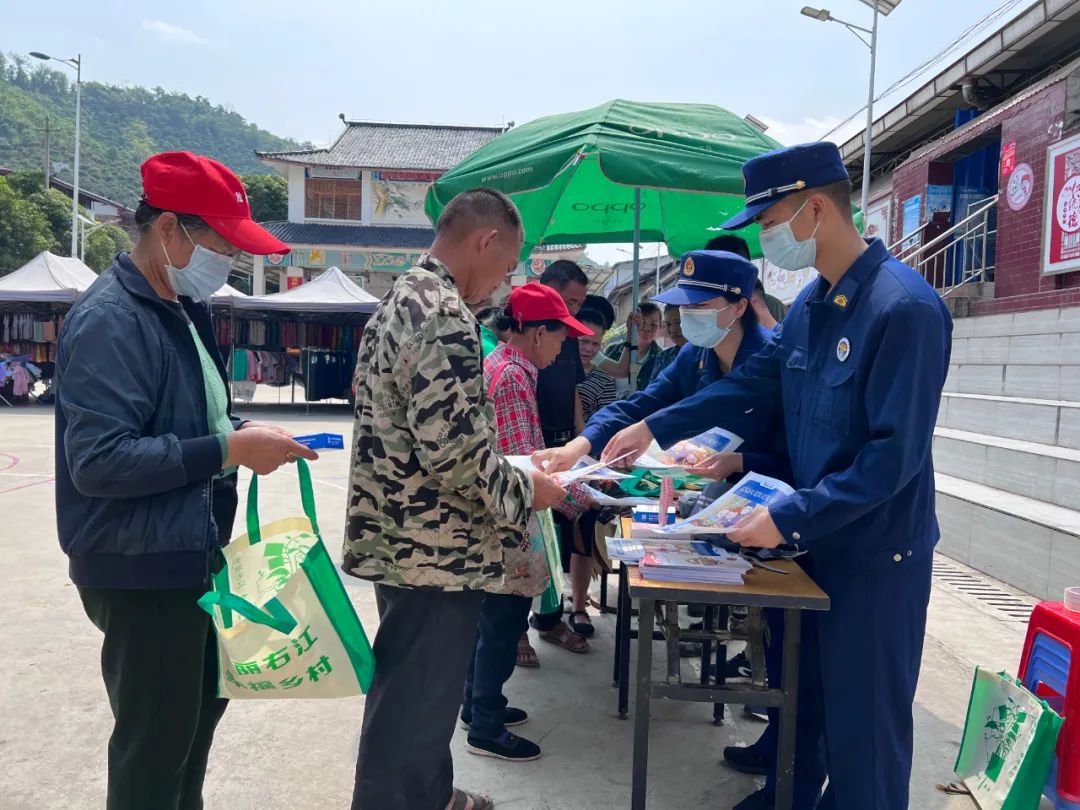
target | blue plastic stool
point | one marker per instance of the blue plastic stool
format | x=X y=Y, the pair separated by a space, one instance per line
x=1049 y=665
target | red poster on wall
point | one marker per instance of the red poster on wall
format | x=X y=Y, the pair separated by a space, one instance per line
x=1008 y=158
x=1061 y=217
x=293 y=281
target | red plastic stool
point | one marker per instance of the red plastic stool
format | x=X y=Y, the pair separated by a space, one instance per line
x=1052 y=651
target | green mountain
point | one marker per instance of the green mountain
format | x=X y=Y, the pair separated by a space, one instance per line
x=121 y=127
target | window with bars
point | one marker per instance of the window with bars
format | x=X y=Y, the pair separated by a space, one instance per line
x=332 y=199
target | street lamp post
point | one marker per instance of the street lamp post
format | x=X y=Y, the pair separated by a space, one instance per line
x=88 y=227
x=75 y=62
x=882 y=7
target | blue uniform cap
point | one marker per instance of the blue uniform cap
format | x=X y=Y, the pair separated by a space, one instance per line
x=774 y=175
x=708 y=274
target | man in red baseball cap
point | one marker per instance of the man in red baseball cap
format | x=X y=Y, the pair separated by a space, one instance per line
x=147 y=449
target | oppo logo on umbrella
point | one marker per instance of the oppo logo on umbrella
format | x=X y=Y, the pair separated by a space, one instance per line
x=607 y=208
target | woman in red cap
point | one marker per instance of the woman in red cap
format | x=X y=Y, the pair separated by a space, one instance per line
x=536 y=320
x=146 y=455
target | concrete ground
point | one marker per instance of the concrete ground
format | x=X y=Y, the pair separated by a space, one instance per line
x=275 y=755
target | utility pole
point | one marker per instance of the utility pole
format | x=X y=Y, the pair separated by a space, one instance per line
x=48 y=163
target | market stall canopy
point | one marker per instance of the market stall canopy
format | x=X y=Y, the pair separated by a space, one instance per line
x=330 y=291
x=573 y=176
x=227 y=293
x=47 y=278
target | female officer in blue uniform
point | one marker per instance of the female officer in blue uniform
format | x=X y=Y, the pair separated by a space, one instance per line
x=857 y=371
x=713 y=290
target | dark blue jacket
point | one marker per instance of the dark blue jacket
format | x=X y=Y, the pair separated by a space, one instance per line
x=857 y=371
x=134 y=458
x=693 y=369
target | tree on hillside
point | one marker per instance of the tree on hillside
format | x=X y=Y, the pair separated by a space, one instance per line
x=24 y=230
x=268 y=195
x=56 y=206
x=103 y=244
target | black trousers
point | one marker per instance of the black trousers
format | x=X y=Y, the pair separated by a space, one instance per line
x=422 y=652
x=159 y=663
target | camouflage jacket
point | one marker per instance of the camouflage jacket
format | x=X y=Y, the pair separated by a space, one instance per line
x=430 y=501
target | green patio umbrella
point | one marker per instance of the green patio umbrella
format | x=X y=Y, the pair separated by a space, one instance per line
x=625 y=171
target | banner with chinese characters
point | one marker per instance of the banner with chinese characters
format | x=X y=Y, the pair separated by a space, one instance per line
x=398 y=197
x=1061 y=215
x=285 y=625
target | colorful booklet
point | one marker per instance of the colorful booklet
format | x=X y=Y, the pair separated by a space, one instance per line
x=678 y=458
x=723 y=514
x=604 y=499
x=694 y=562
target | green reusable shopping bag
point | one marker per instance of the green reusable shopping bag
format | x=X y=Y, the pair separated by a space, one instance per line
x=285 y=625
x=551 y=599
x=1008 y=744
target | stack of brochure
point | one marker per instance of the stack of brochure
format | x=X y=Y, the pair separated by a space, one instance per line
x=631 y=551
x=693 y=562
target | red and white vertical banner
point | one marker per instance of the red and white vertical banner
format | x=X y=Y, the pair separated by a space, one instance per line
x=667 y=497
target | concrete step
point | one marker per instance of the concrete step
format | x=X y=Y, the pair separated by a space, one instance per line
x=1040 y=471
x=1016 y=380
x=1038 y=322
x=1030 y=544
x=1044 y=421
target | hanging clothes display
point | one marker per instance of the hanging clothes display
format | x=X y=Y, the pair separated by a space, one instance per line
x=268 y=368
x=328 y=373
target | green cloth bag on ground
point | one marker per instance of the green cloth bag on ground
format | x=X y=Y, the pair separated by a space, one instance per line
x=551 y=599
x=285 y=625
x=1008 y=743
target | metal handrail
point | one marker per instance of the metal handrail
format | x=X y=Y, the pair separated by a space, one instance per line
x=990 y=203
x=905 y=238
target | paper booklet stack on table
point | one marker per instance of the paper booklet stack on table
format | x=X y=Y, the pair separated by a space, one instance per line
x=678 y=458
x=692 y=562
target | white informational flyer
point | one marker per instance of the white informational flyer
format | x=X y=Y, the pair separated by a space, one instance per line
x=688 y=453
x=586 y=469
x=723 y=514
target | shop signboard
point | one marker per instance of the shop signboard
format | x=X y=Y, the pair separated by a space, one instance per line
x=1061 y=214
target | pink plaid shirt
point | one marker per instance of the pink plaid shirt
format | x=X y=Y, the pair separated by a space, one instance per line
x=511 y=383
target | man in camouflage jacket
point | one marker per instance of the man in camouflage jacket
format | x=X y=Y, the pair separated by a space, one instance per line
x=431 y=501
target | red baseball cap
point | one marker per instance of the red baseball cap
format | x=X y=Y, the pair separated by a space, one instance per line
x=537 y=302
x=192 y=184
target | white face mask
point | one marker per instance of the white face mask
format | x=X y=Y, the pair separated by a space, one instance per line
x=781 y=247
x=205 y=273
x=700 y=328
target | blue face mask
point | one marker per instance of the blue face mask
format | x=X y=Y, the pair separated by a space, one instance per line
x=781 y=248
x=700 y=328
x=205 y=273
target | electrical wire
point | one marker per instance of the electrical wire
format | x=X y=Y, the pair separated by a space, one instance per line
x=903 y=81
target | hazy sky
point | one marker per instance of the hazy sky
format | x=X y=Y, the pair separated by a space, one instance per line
x=291 y=67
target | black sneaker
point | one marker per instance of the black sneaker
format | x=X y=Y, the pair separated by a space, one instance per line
x=511 y=717
x=508 y=746
x=738 y=669
x=746 y=760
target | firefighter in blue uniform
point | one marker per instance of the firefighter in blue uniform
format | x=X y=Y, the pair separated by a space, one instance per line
x=857 y=370
x=719 y=321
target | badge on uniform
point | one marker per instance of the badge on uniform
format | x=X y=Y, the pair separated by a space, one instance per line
x=843 y=349
x=688 y=267
x=841 y=301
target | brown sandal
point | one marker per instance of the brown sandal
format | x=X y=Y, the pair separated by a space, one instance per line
x=562 y=636
x=526 y=655
x=463 y=797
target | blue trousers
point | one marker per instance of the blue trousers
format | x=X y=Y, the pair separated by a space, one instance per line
x=503 y=618
x=859 y=669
